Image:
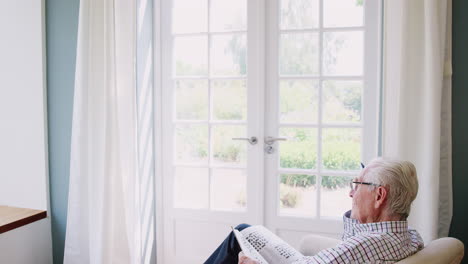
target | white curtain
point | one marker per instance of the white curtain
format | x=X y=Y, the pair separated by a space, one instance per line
x=103 y=219
x=417 y=104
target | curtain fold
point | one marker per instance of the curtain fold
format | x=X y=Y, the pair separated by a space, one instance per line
x=103 y=219
x=417 y=104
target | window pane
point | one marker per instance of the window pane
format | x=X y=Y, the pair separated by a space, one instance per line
x=343 y=13
x=298 y=54
x=341 y=148
x=335 y=200
x=299 y=14
x=229 y=100
x=299 y=151
x=191 y=143
x=191 y=100
x=297 y=195
x=229 y=55
x=229 y=189
x=191 y=188
x=189 y=16
x=298 y=101
x=227 y=151
x=342 y=101
x=343 y=53
x=228 y=15
x=191 y=55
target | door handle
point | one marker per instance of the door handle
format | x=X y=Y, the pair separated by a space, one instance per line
x=251 y=140
x=271 y=140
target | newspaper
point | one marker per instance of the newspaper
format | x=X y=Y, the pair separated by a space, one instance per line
x=247 y=248
x=260 y=244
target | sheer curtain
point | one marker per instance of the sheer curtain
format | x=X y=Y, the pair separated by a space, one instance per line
x=417 y=104
x=103 y=215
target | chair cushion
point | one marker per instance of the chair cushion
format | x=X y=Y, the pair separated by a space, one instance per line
x=311 y=244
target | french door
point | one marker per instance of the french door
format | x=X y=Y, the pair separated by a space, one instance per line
x=268 y=108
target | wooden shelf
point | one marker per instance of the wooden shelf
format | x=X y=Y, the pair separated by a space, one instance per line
x=14 y=217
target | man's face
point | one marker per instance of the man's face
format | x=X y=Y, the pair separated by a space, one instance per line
x=363 y=201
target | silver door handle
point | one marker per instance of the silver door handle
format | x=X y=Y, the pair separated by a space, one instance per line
x=271 y=140
x=251 y=140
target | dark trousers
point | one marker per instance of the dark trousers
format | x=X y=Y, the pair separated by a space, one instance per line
x=228 y=251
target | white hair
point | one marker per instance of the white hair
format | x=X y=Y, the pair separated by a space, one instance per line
x=399 y=178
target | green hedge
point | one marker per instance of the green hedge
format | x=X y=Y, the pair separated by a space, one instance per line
x=303 y=180
x=299 y=152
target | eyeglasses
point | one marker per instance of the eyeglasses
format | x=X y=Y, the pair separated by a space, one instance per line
x=353 y=184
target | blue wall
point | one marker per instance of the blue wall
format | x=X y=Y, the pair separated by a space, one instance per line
x=61 y=30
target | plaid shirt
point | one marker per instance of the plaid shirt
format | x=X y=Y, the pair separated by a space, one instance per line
x=380 y=242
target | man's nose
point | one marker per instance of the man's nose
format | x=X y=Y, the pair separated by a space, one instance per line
x=351 y=193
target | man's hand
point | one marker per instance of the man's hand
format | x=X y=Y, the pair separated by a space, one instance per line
x=245 y=260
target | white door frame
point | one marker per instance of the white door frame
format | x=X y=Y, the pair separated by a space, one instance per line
x=163 y=119
x=297 y=226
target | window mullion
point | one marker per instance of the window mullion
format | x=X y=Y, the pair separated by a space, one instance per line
x=210 y=109
x=320 y=110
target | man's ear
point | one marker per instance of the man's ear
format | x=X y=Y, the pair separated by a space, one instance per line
x=380 y=196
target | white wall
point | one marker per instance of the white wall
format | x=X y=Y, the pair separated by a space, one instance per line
x=23 y=163
x=23 y=145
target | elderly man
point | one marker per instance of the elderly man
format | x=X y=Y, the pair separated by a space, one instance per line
x=375 y=230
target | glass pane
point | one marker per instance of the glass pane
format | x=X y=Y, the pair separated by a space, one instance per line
x=299 y=151
x=299 y=14
x=191 y=100
x=191 y=188
x=335 y=200
x=229 y=55
x=228 y=15
x=297 y=195
x=229 y=100
x=299 y=54
x=342 y=101
x=191 y=143
x=229 y=189
x=343 y=53
x=227 y=151
x=298 y=101
x=343 y=13
x=189 y=16
x=191 y=55
x=341 y=148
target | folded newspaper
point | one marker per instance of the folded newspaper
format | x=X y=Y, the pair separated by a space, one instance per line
x=261 y=245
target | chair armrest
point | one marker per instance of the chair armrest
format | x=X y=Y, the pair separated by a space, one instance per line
x=311 y=244
x=443 y=250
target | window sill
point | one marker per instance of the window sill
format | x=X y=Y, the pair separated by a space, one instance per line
x=14 y=217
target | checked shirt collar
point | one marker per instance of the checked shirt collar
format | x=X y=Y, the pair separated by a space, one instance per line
x=352 y=227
